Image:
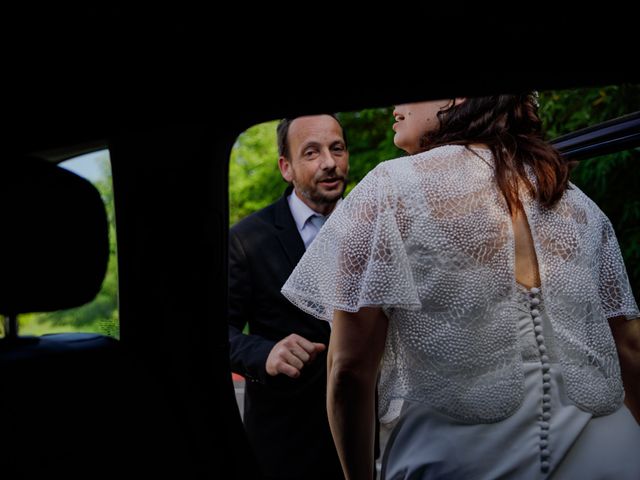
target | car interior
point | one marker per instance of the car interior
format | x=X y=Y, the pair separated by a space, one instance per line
x=159 y=400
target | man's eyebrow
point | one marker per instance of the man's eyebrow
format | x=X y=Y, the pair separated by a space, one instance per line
x=310 y=143
x=317 y=144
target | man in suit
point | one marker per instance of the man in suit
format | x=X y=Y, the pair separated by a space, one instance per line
x=283 y=357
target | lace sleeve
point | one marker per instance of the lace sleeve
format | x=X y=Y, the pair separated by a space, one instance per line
x=358 y=259
x=614 y=288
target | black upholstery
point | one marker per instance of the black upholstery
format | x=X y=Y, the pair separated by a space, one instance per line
x=54 y=250
x=54 y=243
x=77 y=405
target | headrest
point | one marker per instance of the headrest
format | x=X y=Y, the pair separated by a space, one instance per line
x=54 y=238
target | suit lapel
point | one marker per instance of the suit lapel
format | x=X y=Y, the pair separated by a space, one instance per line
x=288 y=234
x=292 y=245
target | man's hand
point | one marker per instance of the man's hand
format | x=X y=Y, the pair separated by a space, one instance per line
x=291 y=354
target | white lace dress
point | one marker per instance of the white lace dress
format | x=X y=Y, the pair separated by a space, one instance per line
x=547 y=437
x=482 y=379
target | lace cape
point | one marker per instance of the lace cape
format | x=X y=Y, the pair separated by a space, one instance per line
x=429 y=239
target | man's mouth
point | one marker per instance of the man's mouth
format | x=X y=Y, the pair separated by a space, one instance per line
x=331 y=181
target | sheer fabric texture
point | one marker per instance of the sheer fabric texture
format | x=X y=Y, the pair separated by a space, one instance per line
x=429 y=239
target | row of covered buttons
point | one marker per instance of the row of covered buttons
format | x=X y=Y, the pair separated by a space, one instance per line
x=546 y=380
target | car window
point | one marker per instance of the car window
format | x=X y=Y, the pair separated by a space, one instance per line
x=101 y=314
x=610 y=180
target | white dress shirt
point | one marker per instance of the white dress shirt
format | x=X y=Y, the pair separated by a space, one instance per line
x=308 y=221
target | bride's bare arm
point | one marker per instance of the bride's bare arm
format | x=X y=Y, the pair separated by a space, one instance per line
x=627 y=336
x=355 y=350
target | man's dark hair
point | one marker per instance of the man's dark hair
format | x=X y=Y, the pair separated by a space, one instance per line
x=283 y=133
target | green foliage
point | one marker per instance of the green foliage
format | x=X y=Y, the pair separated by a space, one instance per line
x=254 y=177
x=611 y=180
x=370 y=140
x=563 y=111
x=99 y=315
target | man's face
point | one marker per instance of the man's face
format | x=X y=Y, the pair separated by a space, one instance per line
x=318 y=161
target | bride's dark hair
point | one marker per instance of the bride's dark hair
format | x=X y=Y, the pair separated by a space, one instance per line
x=509 y=125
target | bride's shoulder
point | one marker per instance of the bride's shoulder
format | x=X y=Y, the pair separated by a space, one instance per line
x=410 y=170
x=394 y=167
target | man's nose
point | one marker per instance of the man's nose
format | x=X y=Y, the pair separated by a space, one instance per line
x=328 y=162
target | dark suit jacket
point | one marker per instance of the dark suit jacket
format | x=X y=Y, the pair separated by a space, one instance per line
x=285 y=419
